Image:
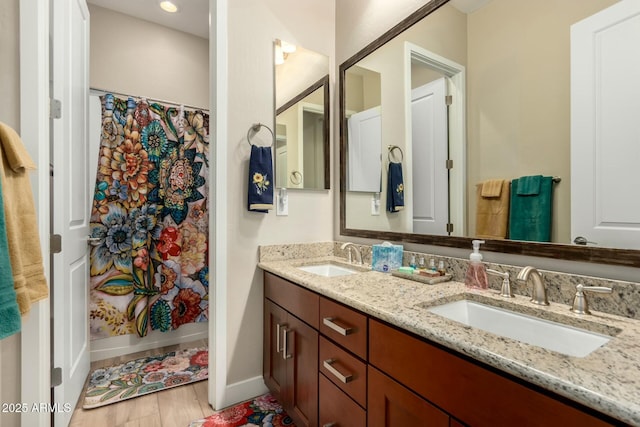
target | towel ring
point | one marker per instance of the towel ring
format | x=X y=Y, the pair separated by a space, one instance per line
x=394 y=147
x=296 y=177
x=256 y=128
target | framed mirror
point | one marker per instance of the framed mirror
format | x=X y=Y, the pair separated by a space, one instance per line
x=302 y=117
x=505 y=68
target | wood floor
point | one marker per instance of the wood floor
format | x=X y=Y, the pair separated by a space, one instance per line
x=175 y=407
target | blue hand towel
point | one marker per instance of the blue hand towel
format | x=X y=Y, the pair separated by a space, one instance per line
x=9 y=312
x=395 y=188
x=260 y=179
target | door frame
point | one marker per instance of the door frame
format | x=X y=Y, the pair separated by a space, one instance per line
x=34 y=109
x=457 y=125
x=35 y=351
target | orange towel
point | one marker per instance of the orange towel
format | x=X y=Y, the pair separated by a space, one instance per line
x=21 y=224
x=492 y=213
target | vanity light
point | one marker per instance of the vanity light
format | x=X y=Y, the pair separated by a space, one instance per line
x=287 y=47
x=168 y=6
x=278 y=55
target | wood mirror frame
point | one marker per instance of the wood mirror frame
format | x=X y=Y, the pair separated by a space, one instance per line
x=612 y=256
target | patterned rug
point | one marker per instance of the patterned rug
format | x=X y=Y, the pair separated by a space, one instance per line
x=146 y=375
x=263 y=411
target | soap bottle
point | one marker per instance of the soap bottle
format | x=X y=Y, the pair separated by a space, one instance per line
x=476 y=276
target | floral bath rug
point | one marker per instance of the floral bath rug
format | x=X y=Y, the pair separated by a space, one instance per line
x=146 y=375
x=263 y=411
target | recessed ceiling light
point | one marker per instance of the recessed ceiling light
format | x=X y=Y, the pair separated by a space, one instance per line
x=168 y=6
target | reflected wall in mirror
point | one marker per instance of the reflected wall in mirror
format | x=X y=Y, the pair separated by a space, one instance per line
x=302 y=117
x=507 y=66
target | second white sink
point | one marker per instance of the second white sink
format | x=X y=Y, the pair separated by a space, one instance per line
x=327 y=270
x=542 y=333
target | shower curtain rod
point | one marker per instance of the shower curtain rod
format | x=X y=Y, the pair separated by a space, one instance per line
x=163 y=101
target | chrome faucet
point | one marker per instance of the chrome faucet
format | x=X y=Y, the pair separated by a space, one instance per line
x=539 y=292
x=351 y=247
x=505 y=291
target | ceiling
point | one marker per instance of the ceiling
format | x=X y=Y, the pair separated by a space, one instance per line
x=192 y=16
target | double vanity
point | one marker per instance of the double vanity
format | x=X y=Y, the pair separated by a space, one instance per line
x=347 y=346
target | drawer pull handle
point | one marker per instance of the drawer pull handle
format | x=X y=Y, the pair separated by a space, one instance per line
x=328 y=364
x=329 y=425
x=328 y=321
x=285 y=333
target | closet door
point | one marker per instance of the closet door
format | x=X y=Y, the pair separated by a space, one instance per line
x=71 y=199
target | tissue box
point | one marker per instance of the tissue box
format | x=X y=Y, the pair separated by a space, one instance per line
x=386 y=257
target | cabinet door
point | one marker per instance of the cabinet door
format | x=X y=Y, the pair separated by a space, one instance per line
x=337 y=409
x=392 y=405
x=273 y=368
x=300 y=344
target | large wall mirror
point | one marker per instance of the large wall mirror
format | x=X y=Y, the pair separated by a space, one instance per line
x=302 y=117
x=463 y=93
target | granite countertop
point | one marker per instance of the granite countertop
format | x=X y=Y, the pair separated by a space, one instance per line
x=607 y=380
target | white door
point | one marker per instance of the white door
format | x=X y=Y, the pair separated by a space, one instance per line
x=71 y=200
x=429 y=153
x=605 y=127
x=364 y=144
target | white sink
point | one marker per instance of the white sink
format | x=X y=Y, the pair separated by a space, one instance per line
x=327 y=270
x=531 y=330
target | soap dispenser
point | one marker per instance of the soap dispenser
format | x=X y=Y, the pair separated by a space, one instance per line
x=476 y=276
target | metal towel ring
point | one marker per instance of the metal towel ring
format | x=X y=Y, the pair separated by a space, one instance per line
x=256 y=128
x=394 y=147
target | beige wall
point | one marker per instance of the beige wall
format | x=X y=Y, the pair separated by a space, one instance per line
x=137 y=57
x=521 y=126
x=253 y=25
x=10 y=114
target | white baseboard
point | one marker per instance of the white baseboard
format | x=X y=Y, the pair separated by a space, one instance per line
x=242 y=391
x=106 y=348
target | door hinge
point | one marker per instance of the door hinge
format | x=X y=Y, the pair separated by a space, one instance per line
x=56 y=377
x=55 y=244
x=449 y=227
x=55 y=108
x=449 y=164
x=448 y=100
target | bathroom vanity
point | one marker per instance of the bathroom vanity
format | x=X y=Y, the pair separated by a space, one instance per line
x=362 y=349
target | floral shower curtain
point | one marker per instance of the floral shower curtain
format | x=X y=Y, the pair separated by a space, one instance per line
x=149 y=219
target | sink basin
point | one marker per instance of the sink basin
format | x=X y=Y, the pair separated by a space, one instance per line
x=528 y=329
x=327 y=270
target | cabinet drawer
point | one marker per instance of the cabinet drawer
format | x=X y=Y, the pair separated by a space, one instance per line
x=468 y=391
x=336 y=409
x=346 y=371
x=345 y=326
x=301 y=302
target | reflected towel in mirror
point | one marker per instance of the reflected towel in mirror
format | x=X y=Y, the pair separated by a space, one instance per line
x=530 y=210
x=395 y=188
x=260 y=190
x=492 y=210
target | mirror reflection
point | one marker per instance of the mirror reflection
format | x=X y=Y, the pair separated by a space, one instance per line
x=302 y=117
x=477 y=97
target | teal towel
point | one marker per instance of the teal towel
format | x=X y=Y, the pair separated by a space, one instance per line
x=9 y=312
x=530 y=208
x=528 y=185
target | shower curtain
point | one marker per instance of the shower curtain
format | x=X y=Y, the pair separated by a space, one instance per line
x=149 y=220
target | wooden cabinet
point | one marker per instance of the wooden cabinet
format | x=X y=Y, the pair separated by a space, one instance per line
x=475 y=395
x=330 y=365
x=290 y=357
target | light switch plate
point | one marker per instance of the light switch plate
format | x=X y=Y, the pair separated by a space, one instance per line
x=375 y=204
x=282 y=203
